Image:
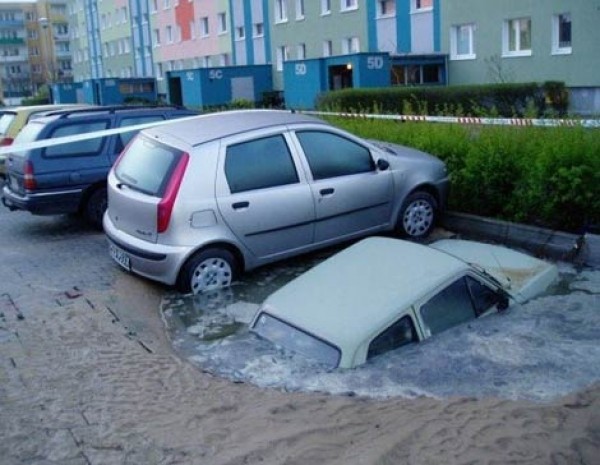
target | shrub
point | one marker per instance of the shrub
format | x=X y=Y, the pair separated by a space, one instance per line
x=544 y=176
x=507 y=100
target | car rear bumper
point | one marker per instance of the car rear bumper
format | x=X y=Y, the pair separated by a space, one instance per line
x=43 y=203
x=158 y=262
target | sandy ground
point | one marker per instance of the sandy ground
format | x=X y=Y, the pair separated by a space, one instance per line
x=88 y=377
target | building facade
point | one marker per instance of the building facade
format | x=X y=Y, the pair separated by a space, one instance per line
x=525 y=41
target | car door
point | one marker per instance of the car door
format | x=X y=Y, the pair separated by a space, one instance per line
x=351 y=195
x=263 y=195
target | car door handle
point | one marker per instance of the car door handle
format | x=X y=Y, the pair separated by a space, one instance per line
x=240 y=205
x=327 y=191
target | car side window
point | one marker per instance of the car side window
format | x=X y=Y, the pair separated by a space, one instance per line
x=259 y=164
x=124 y=138
x=402 y=332
x=80 y=148
x=330 y=155
x=450 y=307
x=483 y=297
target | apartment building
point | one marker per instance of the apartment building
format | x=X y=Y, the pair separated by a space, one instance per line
x=34 y=47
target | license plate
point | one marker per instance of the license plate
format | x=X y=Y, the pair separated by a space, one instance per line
x=119 y=256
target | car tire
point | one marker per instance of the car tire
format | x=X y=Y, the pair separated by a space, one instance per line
x=208 y=270
x=418 y=215
x=95 y=206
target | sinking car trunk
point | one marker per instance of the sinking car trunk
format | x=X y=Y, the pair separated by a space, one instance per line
x=137 y=185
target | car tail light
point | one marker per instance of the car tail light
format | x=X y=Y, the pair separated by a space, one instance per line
x=28 y=177
x=6 y=141
x=165 y=206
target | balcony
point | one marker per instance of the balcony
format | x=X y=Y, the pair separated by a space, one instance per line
x=12 y=23
x=12 y=40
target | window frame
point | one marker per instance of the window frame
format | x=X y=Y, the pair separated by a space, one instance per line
x=381 y=6
x=325 y=7
x=556 y=47
x=506 y=33
x=348 y=5
x=454 y=35
x=386 y=334
x=281 y=15
x=222 y=23
x=415 y=7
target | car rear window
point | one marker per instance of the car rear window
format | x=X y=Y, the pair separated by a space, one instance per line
x=5 y=121
x=146 y=165
x=285 y=335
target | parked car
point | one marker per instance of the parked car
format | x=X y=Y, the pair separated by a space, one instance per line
x=71 y=178
x=12 y=120
x=197 y=202
x=383 y=293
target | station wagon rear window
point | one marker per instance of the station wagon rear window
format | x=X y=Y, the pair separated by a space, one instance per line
x=296 y=340
x=147 y=165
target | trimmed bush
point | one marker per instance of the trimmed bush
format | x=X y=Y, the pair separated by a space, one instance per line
x=505 y=100
x=544 y=176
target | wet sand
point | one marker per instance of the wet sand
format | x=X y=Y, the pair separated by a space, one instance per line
x=88 y=377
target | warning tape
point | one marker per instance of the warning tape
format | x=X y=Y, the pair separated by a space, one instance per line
x=586 y=123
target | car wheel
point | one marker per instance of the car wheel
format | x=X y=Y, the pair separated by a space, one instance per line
x=208 y=270
x=418 y=215
x=95 y=207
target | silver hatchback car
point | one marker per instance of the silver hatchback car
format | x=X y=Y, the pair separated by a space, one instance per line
x=196 y=202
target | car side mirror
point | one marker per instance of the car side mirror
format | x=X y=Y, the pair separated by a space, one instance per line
x=382 y=164
x=503 y=303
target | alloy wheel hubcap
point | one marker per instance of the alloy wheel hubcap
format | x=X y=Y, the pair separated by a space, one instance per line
x=211 y=274
x=418 y=218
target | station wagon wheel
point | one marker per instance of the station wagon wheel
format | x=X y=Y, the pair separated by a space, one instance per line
x=95 y=207
x=418 y=215
x=208 y=270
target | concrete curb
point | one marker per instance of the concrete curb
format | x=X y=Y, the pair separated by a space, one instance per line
x=558 y=245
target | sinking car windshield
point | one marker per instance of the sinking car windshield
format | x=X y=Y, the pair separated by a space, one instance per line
x=289 y=337
x=146 y=166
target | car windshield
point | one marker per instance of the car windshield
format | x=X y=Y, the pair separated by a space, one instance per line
x=5 y=121
x=292 y=338
x=147 y=165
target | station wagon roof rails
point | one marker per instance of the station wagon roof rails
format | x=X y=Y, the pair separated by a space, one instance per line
x=111 y=109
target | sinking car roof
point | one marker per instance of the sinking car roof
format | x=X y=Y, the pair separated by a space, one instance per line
x=362 y=289
x=214 y=126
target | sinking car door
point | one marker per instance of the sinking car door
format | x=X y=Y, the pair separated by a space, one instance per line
x=263 y=195
x=352 y=196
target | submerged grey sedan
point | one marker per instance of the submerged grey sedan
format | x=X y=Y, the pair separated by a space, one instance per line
x=196 y=202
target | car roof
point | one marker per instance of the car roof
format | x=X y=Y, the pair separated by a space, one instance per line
x=362 y=289
x=213 y=126
x=90 y=111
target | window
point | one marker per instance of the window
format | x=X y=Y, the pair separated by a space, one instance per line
x=325 y=7
x=386 y=8
x=327 y=48
x=169 y=35
x=517 y=37
x=258 y=30
x=461 y=42
x=166 y=4
x=399 y=334
x=301 y=52
x=224 y=59
x=153 y=6
x=192 y=29
x=561 y=34
x=80 y=148
x=299 y=9
x=330 y=155
x=259 y=164
x=348 y=5
x=350 y=45
x=461 y=301
x=204 y=27
x=280 y=11
x=282 y=56
x=156 y=37
x=240 y=34
x=422 y=5
x=222 y=21
x=206 y=61
x=124 y=138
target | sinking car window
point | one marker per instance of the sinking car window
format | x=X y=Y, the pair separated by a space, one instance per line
x=484 y=298
x=296 y=340
x=448 y=308
x=402 y=332
x=330 y=155
x=259 y=164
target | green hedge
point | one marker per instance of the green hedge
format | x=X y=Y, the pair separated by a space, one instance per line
x=544 y=176
x=507 y=100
